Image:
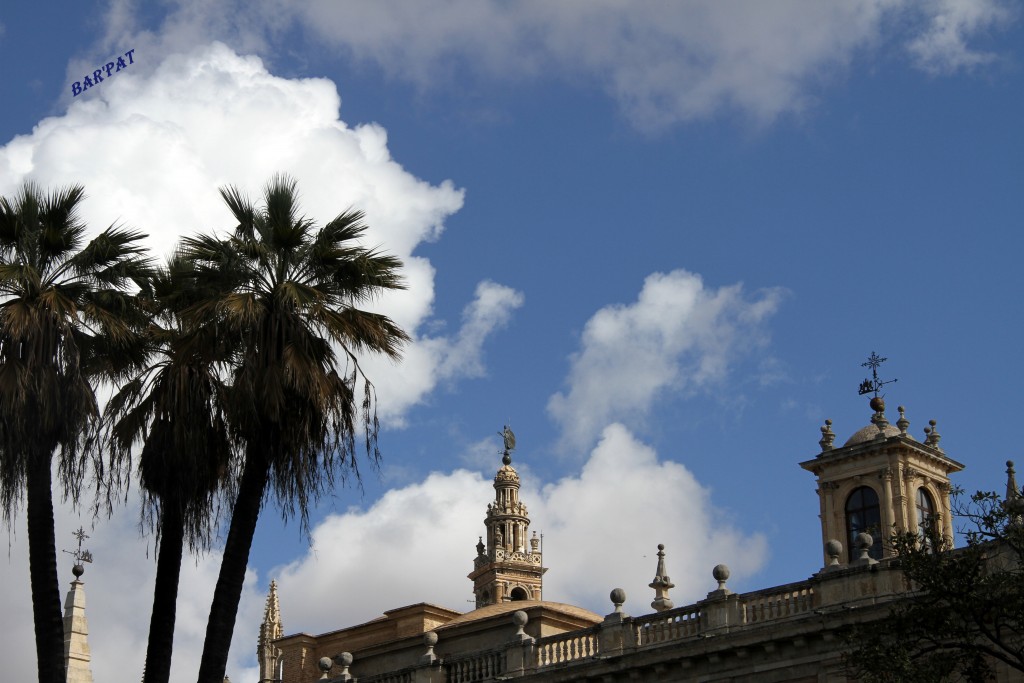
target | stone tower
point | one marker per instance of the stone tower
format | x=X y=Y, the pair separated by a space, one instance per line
x=880 y=481
x=508 y=567
x=270 y=630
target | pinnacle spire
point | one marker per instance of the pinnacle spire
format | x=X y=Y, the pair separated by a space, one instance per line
x=270 y=630
x=661 y=584
x=77 y=657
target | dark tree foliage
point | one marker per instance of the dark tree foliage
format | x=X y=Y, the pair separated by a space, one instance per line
x=70 y=317
x=966 y=606
x=168 y=423
x=290 y=295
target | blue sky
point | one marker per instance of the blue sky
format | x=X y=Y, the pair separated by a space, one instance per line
x=658 y=240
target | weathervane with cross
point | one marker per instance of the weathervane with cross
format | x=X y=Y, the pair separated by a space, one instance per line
x=874 y=384
x=80 y=555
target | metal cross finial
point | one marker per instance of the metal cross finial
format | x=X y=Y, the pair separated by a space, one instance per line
x=80 y=555
x=874 y=384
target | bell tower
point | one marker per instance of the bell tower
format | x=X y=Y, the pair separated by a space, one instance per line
x=508 y=566
x=882 y=480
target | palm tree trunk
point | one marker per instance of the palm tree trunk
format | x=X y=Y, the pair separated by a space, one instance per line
x=165 y=594
x=42 y=564
x=224 y=608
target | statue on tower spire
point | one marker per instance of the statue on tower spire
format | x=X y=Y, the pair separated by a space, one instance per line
x=510 y=444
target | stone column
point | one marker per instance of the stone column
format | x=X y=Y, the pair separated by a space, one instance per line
x=616 y=632
x=520 y=654
x=721 y=608
x=76 y=632
x=888 y=511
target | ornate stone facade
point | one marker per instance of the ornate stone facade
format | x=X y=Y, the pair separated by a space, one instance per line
x=900 y=473
x=782 y=634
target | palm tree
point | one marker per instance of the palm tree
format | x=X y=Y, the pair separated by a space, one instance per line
x=289 y=292
x=173 y=408
x=67 y=318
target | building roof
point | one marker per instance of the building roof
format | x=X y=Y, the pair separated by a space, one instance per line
x=870 y=432
x=559 y=608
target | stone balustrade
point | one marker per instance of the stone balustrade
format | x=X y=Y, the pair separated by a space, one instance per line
x=567 y=647
x=619 y=634
x=776 y=603
x=682 y=622
x=475 y=667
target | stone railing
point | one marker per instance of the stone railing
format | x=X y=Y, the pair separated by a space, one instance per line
x=567 y=647
x=476 y=667
x=682 y=622
x=776 y=603
x=618 y=634
x=406 y=676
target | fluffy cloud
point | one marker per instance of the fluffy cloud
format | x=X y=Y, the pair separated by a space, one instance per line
x=154 y=146
x=678 y=336
x=943 y=46
x=601 y=529
x=119 y=595
x=663 y=62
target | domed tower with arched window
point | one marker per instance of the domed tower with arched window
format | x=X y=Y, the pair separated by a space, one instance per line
x=882 y=480
x=508 y=566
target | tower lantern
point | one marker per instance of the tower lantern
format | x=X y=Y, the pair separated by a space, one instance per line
x=508 y=566
x=881 y=480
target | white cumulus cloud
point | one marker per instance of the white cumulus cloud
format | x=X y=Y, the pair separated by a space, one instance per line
x=153 y=146
x=679 y=336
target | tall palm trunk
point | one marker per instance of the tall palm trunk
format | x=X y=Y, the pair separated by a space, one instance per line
x=165 y=594
x=42 y=562
x=224 y=608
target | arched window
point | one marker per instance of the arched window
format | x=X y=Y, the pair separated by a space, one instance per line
x=926 y=519
x=863 y=515
x=518 y=594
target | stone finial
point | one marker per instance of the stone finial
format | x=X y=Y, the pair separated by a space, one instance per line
x=480 y=546
x=721 y=575
x=1012 y=492
x=864 y=541
x=903 y=422
x=878 y=419
x=534 y=543
x=828 y=437
x=430 y=640
x=520 y=618
x=661 y=584
x=834 y=549
x=618 y=597
x=344 y=660
x=325 y=664
x=932 y=436
x=1014 y=501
